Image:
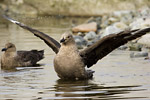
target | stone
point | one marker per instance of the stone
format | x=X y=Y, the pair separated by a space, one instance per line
x=111 y=30
x=93 y=19
x=123 y=47
x=121 y=25
x=85 y=27
x=135 y=47
x=112 y=20
x=90 y=35
x=80 y=42
x=138 y=54
x=81 y=34
x=145 y=40
x=140 y=23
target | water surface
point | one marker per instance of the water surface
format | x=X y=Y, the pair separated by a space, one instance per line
x=116 y=77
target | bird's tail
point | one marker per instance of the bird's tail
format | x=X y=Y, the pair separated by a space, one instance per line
x=39 y=53
x=89 y=74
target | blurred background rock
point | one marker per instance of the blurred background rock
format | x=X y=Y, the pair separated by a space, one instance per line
x=70 y=7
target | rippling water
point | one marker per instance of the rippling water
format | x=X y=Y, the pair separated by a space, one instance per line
x=117 y=76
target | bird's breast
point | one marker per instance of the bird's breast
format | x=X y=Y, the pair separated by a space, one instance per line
x=68 y=63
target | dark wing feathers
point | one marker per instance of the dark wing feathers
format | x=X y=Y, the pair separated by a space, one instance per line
x=107 y=44
x=32 y=56
x=47 y=39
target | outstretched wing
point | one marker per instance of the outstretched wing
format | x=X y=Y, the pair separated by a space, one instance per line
x=107 y=44
x=47 y=39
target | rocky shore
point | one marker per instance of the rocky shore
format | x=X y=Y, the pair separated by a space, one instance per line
x=97 y=27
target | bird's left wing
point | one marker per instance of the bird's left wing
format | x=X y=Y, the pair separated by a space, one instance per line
x=47 y=39
x=107 y=44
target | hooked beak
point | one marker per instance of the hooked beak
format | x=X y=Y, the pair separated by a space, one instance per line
x=62 y=40
x=4 y=49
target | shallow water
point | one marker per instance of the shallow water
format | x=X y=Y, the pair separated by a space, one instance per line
x=117 y=76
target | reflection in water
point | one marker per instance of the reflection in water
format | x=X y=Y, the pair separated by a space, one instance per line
x=116 y=76
x=86 y=90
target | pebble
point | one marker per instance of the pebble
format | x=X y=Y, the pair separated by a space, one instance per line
x=138 y=54
x=90 y=35
x=145 y=40
x=85 y=27
x=80 y=42
x=135 y=47
x=111 y=30
x=123 y=47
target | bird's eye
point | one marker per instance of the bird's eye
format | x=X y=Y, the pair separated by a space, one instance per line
x=68 y=37
x=10 y=47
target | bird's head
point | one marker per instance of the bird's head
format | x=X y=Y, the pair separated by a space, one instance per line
x=67 y=38
x=9 y=47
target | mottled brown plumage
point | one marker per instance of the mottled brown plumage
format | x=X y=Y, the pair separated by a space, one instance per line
x=69 y=63
x=12 y=58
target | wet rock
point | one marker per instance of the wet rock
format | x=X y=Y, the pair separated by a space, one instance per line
x=89 y=43
x=138 y=54
x=80 y=41
x=112 y=20
x=125 y=16
x=81 y=34
x=140 y=23
x=104 y=21
x=90 y=35
x=121 y=25
x=93 y=41
x=145 y=12
x=145 y=40
x=135 y=47
x=123 y=47
x=115 y=28
x=111 y=30
x=86 y=27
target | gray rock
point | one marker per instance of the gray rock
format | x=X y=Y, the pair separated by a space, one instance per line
x=140 y=23
x=80 y=41
x=145 y=12
x=145 y=40
x=135 y=47
x=90 y=35
x=123 y=47
x=111 y=30
x=93 y=41
x=97 y=20
x=138 y=54
x=89 y=43
x=120 y=25
x=112 y=20
x=81 y=34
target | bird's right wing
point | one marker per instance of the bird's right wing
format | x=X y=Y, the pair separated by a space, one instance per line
x=108 y=43
x=47 y=39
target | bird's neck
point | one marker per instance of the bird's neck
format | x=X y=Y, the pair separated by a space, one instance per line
x=69 y=47
x=10 y=54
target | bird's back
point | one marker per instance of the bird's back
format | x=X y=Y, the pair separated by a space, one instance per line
x=30 y=58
